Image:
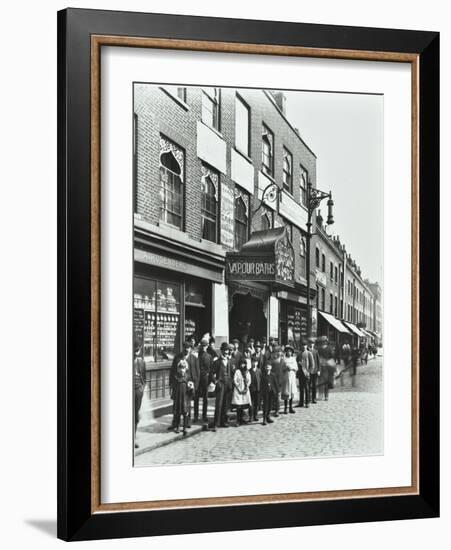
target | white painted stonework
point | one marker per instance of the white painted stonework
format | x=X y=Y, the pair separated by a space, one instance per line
x=242 y=172
x=273 y=317
x=220 y=324
x=211 y=148
x=292 y=211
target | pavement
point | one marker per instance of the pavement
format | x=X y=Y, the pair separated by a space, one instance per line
x=350 y=423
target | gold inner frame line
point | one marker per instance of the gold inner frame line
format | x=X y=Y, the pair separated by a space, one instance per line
x=97 y=41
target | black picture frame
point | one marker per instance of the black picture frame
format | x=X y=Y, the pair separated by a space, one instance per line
x=76 y=518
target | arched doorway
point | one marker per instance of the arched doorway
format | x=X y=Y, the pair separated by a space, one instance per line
x=247 y=318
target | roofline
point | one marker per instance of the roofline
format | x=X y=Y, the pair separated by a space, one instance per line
x=272 y=100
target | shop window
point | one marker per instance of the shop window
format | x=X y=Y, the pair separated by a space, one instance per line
x=171 y=185
x=209 y=205
x=210 y=107
x=287 y=170
x=242 y=126
x=157 y=319
x=267 y=151
x=241 y=219
x=303 y=185
x=197 y=307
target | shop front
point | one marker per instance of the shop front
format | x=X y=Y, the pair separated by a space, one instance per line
x=337 y=333
x=292 y=319
x=255 y=276
x=172 y=302
x=357 y=335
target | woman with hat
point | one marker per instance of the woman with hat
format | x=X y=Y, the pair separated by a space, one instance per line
x=241 y=396
x=289 y=369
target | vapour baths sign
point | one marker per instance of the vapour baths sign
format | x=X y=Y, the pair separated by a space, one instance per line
x=250 y=269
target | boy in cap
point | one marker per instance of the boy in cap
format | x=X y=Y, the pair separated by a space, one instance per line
x=269 y=388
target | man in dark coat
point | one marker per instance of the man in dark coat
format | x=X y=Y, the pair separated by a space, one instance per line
x=223 y=378
x=305 y=363
x=315 y=371
x=205 y=377
x=269 y=389
x=236 y=354
x=194 y=376
x=139 y=377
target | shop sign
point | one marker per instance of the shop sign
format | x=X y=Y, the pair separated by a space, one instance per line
x=174 y=264
x=245 y=268
x=227 y=213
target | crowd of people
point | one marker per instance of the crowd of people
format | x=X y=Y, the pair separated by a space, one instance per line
x=258 y=380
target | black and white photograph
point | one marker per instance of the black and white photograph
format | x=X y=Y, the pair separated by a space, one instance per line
x=258 y=239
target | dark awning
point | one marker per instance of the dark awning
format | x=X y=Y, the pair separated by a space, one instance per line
x=334 y=322
x=268 y=256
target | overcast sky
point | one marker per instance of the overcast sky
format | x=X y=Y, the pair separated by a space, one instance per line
x=345 y=131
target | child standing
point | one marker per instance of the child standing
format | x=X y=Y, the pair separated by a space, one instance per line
x=241 y=397
x=269 y=388
x=183 y=388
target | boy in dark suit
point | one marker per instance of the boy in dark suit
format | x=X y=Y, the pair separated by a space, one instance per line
x=269 y=388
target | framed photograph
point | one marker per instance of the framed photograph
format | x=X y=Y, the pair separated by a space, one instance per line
x=248 y=274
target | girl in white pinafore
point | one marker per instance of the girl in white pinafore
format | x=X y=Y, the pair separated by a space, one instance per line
x=241 y=396
x=289 y=369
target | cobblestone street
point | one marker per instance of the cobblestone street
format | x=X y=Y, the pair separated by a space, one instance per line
x=349 y=424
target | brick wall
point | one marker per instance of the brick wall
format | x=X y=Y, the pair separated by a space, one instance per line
x=160 y=113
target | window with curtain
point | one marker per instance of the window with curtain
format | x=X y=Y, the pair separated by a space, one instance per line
x=171 y=187
x=303 y=185
x=241 y=219
x=267 y=151
x=287 y=170
x=242 y=125
x=210 y=107
x=209 y=205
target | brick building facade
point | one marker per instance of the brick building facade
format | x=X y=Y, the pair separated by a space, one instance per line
x=216 y=169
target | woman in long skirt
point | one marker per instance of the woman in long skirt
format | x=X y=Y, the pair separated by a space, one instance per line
x=241 y=396
x=289 y=369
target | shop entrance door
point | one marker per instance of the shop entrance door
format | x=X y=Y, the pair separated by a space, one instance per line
x=246 y=319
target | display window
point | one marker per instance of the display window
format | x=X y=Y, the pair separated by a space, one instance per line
x=157 y=320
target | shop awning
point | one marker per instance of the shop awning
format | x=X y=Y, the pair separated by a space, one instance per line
x=268 y=256
x=355 y=329
x=367 y=333
x=336 y=323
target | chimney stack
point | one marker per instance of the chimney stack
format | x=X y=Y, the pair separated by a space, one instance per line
x=280 y=99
